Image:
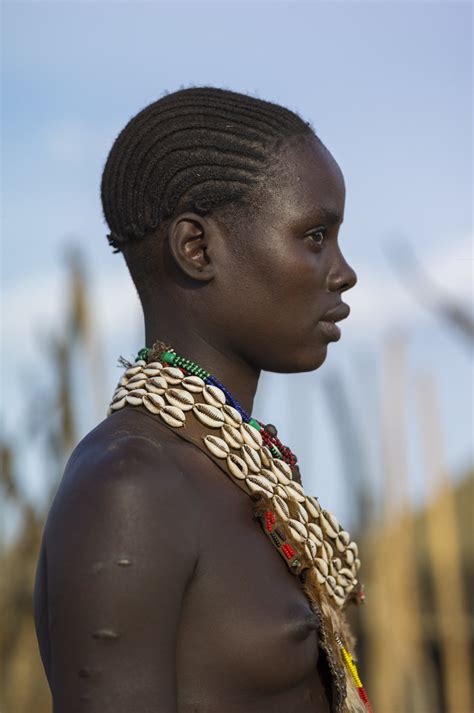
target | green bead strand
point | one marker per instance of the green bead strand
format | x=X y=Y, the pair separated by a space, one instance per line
x=143 y=354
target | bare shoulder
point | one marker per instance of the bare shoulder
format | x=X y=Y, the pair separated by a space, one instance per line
x=125 y=459
x=120 y=548
x=123 y=492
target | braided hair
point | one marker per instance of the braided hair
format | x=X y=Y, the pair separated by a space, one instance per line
x=199 y=149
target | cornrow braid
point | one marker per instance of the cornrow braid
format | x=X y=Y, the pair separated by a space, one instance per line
x=196 y=149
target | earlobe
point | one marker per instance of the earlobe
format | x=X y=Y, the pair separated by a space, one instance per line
x=189 y=242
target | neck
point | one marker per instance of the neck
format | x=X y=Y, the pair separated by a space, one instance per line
x=237 y=375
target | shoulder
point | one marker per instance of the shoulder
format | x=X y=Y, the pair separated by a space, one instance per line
x=123 y=470
x=121 y=547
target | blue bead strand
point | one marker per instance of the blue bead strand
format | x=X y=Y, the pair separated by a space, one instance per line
x=229 y=398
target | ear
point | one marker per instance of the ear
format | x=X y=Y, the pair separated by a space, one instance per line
x=188 y=238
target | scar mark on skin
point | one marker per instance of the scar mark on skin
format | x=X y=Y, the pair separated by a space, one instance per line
x=123 y=562
x=88 y=672
x=105 y=635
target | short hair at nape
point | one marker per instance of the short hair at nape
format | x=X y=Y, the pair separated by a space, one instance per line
x=197 y=149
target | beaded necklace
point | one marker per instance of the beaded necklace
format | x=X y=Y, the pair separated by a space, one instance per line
x=308 y=538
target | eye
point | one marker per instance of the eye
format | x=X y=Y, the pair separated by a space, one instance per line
x=317 y=236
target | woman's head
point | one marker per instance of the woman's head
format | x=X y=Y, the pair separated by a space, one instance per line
x=218 y=201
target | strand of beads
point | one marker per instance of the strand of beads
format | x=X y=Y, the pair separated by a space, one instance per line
x=270 y=439
x=354 y=673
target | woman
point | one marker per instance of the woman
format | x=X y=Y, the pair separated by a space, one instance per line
x=156 y=589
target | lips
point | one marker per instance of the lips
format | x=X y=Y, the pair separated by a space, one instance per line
x=341 y=311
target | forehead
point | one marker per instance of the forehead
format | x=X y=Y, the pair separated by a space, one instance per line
x=306 y=180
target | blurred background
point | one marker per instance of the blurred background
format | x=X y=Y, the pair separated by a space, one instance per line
x=384 y=427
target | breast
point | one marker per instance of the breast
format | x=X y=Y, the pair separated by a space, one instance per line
x=246 y=619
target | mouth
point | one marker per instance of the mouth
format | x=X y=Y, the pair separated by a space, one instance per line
x=338 y=313
x=327 y=323
x=330 y=330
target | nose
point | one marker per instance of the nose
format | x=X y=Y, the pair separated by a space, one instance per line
x=341 y=276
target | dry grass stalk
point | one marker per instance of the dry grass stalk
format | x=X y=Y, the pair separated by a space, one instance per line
x=397 y=662
x=445 y=555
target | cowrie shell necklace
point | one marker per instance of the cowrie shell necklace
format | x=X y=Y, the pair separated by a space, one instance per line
x=308 y=538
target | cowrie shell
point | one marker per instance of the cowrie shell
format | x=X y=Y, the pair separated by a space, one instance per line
x=136 y=382
x=132 y=371
x=257 y=483
x=156 y=385
x=294 y=492
x=209 y=415
x=266 y=457
x=344 y=572
x=133 y=398
x=217 y=446
x=339 y=596
x=193 y=383
x=270 y=475
x=298 y=530
x=116 y=405
x=251 y=457
x=251 y=436
x=140 y=362
x=330 y=583
x=345 y=537
x=173 y=416
x=213 y=395
x=352 y=546
x=312 y=506
x=119 y=393
x=302 y=514
x=281 y=508
x=356 y=564
x=315 y=533
x=123 y=381
x=340 y=546
x=153 y=368
x=151 y=372
x=349 y=556
x=232 y=436
x=327 y=524
x=237 y=466
x=231 y=416
x=153 y=402
x=181 y=398
x=332 y=520
x=172 y=374
x=322 y=568
x=327 y=551
x=157 y=365
x=310 y=549
x=281 y=492
x=343 y=580
x=337 y=564
x=282 y=470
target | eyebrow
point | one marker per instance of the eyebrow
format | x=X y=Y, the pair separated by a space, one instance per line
x=328 y=215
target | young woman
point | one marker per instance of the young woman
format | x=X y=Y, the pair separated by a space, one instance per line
x=183 y=567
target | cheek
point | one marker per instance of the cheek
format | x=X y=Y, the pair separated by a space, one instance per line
x=292 y=279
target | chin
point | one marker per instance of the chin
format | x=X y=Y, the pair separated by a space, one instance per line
x=302 y=360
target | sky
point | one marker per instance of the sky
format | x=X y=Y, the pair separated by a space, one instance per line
x=387 y=87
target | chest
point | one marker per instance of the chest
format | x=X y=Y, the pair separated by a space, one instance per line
x=245 y=617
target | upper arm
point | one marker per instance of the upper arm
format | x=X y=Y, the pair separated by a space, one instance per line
x=122 y=546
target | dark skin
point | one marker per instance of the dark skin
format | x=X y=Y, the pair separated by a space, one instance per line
x=156 y=591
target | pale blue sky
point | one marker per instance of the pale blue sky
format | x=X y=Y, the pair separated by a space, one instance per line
x=386 y=85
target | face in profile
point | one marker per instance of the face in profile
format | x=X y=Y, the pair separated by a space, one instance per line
x=285 y=270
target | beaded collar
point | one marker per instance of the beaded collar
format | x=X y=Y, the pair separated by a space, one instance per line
x=308 y=538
